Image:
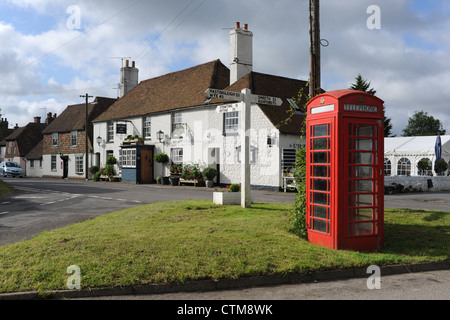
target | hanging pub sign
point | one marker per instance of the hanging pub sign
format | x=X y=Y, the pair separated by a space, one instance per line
x=121 y=128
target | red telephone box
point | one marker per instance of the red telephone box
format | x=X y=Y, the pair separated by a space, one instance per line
x=345 y=167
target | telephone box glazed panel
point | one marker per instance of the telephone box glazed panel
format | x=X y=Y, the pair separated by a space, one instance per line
x=344 y=178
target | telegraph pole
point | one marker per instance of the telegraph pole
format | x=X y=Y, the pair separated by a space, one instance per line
x=314 y=18
x=86 y=169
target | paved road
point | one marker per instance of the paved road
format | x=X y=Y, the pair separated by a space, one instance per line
x=39 y=205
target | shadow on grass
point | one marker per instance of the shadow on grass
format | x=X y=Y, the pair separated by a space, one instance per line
x=430 y=238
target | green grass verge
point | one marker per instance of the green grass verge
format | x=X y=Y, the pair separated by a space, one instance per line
x=191 y=240
x=5 y=189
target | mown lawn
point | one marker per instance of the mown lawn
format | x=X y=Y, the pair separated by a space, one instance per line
x=189 y=240
x=5 y=189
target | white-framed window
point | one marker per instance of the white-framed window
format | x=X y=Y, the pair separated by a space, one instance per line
x=387 y=167
x=404 y=167
x=178 y=127
x=231 y=123
x=74 y=139
x=177 y=156
x=147 y=128
x=53 y=163
x=110 y=132
x=31 y=163
x=79 y=164
x=128 y=158
x=55 y=139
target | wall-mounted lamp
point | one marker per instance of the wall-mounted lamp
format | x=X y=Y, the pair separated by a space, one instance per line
x=99 y=140
x=270 y=141
x=160 y=136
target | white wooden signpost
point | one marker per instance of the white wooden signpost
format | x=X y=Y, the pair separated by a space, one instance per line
x=247 y=99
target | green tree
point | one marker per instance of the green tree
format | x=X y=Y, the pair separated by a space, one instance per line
x=441 y=167
x=424 y=166
x=363 y=85
x=298 y=212
x=422 y=124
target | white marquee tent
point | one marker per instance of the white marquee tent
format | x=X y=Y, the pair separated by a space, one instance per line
x=404 y=153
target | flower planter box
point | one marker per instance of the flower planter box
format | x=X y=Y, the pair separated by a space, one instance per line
x=192 y=181
x=138 y=142
x=227 y=198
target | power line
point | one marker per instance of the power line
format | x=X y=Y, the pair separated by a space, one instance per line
x=81 y=35
x=164 y=30
x=176 y=27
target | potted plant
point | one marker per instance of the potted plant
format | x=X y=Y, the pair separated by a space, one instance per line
x=209 y=174
x=175 y=169
x=162 y=158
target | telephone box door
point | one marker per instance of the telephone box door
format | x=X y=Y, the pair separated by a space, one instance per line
x=363 y=152
x=321 y=220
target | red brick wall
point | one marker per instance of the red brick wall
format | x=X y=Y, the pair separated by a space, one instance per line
x=64 y=144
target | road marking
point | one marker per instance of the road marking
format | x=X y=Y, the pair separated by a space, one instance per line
x=26 y=197
x=4 y=213
x=48 y=203
x=6 y=202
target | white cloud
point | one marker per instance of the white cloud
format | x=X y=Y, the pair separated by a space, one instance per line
x=406 y=61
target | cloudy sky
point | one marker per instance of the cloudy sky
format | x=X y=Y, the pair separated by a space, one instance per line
x=54 y=51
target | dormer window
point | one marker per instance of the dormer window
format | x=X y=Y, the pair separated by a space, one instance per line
x=295 y=107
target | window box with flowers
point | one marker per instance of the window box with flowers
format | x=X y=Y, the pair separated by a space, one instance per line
x=133 y=140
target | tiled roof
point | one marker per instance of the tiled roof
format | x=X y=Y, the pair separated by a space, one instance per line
x=177 y=90
x=74 y=117
x=27 y=137
x=186 y=89
x=36 y=153
x=280 y=87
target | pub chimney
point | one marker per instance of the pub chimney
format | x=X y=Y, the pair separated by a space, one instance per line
x=241 y=52
x=129 y=78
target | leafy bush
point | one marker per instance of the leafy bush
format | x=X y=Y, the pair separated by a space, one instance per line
x=234 y=188
x=111 y=160
x=191 y=171
x=441 y=166
x=96 y=176
x=162 y=158
x=209 y=173
x=94 y=169
x=108 y=170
